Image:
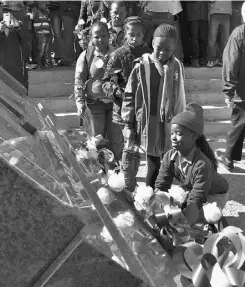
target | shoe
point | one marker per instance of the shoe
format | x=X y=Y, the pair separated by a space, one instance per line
x=31 y=66
x=220 y=62
x=212 y=64
x=223 y=160
x=202 y=62
x=195 y=63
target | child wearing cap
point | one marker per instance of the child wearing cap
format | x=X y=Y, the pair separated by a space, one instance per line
x=153 y=96
x=115 y=79
x=192 y=162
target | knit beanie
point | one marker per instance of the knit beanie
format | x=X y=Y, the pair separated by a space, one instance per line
x=191 y=118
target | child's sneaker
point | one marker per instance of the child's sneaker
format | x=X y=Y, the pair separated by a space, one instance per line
x=212 y=64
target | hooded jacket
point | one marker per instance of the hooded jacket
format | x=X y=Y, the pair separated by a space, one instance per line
x=140 y=99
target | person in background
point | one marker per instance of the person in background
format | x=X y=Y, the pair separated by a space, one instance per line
x=11 y=41
x=153 y=95
x=42 y=29
x=185 y=34
x=114 y=82
x=154 y=13
x=64 y=14
x=220 y=14
x=197 y=15
x=92 y=103
x=93 y=9
x=118 y=13
x=233 y=84
x=191 y=161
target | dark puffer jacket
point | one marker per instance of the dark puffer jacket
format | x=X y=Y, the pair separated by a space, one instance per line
x=118 y=71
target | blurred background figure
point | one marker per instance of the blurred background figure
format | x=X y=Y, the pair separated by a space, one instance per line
x=12 y=38
x=220 y=18
x=64 y=17
x=197 y=15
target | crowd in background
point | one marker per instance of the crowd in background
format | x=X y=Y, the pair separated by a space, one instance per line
x=54 y=31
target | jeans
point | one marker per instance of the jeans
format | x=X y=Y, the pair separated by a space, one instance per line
x=234 y=143
x=199 y=38
x=217 y=21
x=99 y=117
x=130 y=165
x=63 y=42
x=153 y=164
x=44 y=48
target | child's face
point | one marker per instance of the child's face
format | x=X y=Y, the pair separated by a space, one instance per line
x=100 y=37
x=182 y=138
x=163 y=48
x=134 y=35
x=118 y=15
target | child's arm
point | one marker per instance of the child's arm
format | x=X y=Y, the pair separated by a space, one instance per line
x=113 y=83
x=198 y=195
x=128 y=105
x=79 y=86
x=165 y=177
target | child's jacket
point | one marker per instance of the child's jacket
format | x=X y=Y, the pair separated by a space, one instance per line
x=88 y=76
x=117 y=73
x=202 y=179
x=151 y=100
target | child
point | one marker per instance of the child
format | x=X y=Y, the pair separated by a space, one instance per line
x=91 y=100
x=153 y=95
x=115 y=80
x=42 y=29
x=192 y=162
x=118 y=13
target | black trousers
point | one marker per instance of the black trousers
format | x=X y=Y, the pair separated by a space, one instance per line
x=236 y=135
x=153 y=164
x=199 y=38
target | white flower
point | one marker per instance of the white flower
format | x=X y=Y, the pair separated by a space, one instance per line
x=105 y=195
x=99 y=63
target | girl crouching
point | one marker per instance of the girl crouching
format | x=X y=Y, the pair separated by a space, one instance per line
x=192 y=162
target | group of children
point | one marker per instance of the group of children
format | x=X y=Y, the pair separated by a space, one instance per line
x=135 y=97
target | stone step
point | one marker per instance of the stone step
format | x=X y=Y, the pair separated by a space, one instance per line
x=67 y=104
x=203 y=73
x=58 y=82
x=58 y=104
x=213 y=128
x=216 y=129
x=216 y=113
x=69 y=119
